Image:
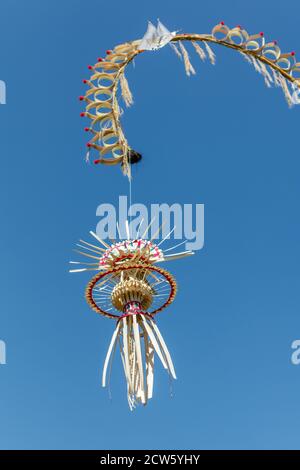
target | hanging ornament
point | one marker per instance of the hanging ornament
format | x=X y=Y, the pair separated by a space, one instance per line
x=131 y=289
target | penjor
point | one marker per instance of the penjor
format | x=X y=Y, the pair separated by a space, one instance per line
x=130 y=288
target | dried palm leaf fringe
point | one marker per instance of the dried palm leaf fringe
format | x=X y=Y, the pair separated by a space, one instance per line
x=138 y=370
x=210 y=53
x=199 y=50
x=125 y=90
x=189 y=69
x=176 y=50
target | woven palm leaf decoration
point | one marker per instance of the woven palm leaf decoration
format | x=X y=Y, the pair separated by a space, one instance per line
x=277 y=68
x=130 y=288
x=129 y=285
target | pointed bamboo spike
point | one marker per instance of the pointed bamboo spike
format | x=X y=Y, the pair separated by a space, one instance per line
x=127 y=229
x=164 y=347
x=139 y=227
x=151 y=222
x=93 y=246
x=99 y=239
x=109 y=351
x=159 y=229
x=79 y=270
x=104 y=281
x=89 y=249
x=118 y=230
x=87 y=255
x=139 y=357
x=167 y=236
x=183 y=254
x=84 y=263
x=154 y=342
x=175 y=246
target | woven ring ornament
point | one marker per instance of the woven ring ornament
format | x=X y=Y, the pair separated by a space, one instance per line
x=105 y=276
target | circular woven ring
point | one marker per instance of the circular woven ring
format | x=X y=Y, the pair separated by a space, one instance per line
x=149 y=267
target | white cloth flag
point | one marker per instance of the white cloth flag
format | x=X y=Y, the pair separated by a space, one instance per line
x=156 y=37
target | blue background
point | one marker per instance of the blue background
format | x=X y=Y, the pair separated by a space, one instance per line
x=220 y=138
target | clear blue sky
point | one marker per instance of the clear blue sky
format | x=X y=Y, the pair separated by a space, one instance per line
x=220 y=138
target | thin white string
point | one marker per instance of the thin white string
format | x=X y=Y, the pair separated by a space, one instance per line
x=130 y=196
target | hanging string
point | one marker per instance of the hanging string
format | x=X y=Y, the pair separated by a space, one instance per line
x=130 y=195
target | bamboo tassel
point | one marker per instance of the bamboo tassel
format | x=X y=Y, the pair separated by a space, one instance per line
x=199 y=50
x=246 y=57
x=276 y=78
x=189 y=69
x=266 y=74
x=176 y=50
x=210 y=53
x=286 y=91
x=260 y=68
x=255 y=64
x=134 y=327
x=125 y=90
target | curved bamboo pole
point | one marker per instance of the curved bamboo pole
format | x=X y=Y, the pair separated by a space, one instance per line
x=110 y=140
